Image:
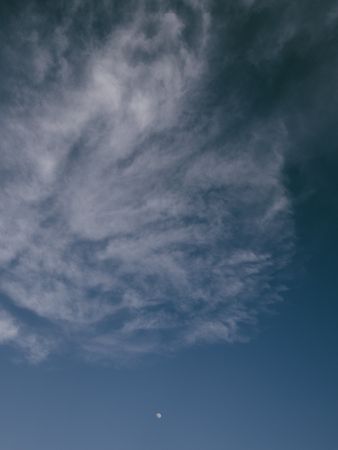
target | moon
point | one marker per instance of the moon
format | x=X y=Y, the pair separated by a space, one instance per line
x=158 y=415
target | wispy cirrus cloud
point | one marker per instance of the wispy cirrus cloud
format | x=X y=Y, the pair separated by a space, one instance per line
x=129 y=222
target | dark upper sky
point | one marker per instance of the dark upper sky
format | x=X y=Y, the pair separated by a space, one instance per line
x=168 y=225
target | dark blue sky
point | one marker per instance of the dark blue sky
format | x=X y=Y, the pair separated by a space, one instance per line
x=168 y=225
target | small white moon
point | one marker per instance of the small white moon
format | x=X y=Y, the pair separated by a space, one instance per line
x=158 y=415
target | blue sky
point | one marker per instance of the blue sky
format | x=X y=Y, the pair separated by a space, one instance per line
x=168 y=225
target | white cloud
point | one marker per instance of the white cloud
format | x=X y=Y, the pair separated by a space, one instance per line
x=8 y=328
x=123 y=225
x=12 y=332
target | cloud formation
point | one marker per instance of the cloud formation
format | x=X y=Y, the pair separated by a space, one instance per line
x=131 y=221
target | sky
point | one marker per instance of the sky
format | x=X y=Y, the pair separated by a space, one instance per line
x=168 y=225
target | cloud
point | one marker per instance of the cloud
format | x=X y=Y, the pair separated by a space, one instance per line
x=8 y=327
x=14 y=333
x=130 y=222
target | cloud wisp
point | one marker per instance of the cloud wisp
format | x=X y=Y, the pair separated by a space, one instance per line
x=129 y=223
